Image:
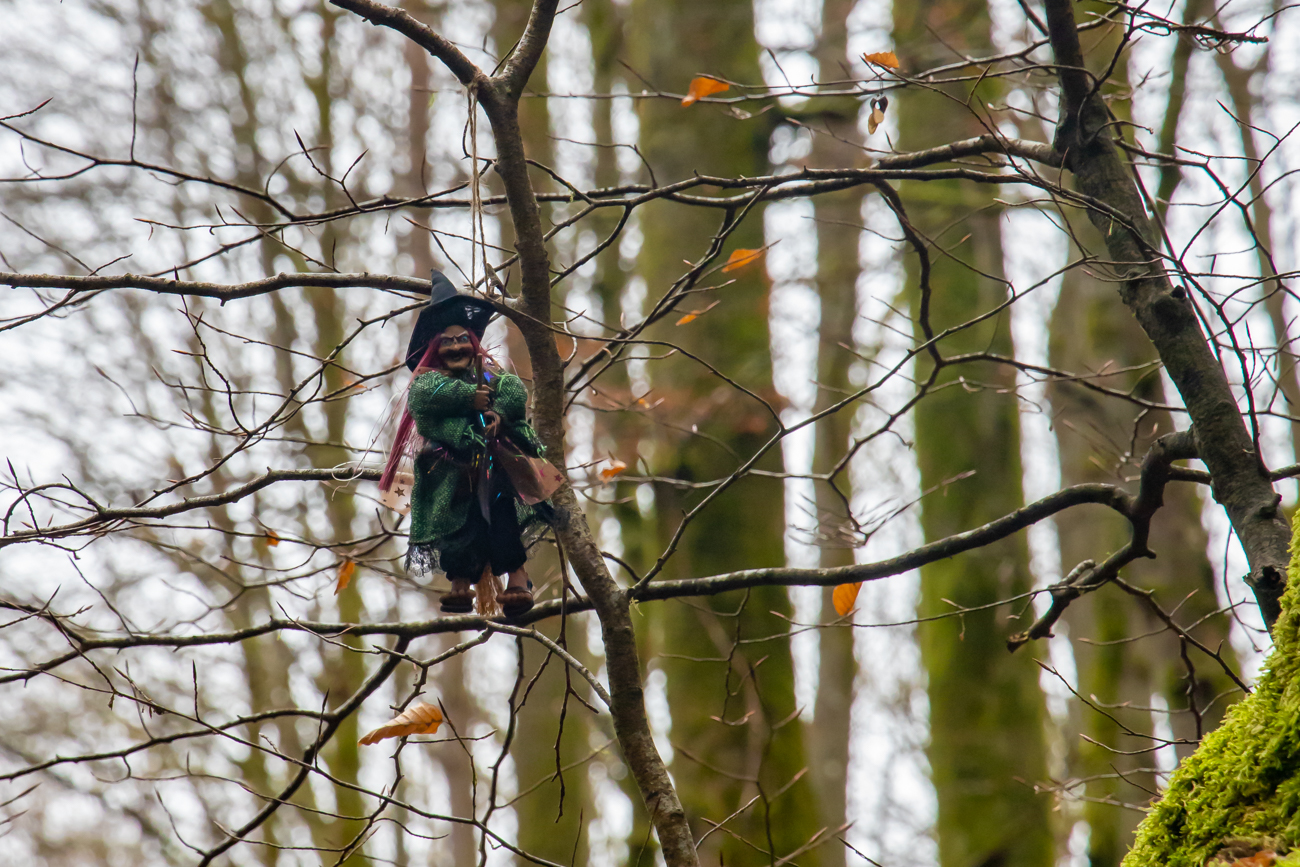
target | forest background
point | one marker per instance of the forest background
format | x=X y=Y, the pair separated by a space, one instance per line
x=789 y=400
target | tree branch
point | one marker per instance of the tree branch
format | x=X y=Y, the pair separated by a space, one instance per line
x=439 y=46
x=524 y=59
x=1240 y=480
x=102 y=517
x=1088 y=576
x=223 y=292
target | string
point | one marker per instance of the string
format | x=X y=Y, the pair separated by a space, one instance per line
x=477 y=235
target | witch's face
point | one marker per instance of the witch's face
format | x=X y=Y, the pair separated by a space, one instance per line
x=454 y=349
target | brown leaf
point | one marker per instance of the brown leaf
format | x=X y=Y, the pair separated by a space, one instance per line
x=887 y=59
x=702 y=86
x=615 y=467
x=739 y=259
x=420 y=718
x=272 y=538
x=346 y=570
x=874 y=119
x=844 y=597
x=1259 y=859
x=689 y=317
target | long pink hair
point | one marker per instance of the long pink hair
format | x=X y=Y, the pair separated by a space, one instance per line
x=408 y=442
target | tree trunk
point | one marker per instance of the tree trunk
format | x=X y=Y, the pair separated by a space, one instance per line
x=1103 y=439
x=553 y=817
x=838 y=215
x=1095 y=434
x=1239 y=788
x=987 y=713
x=1240 y=480
x=720 y=764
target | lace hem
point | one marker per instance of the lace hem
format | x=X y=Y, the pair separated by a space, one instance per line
x=425 y=558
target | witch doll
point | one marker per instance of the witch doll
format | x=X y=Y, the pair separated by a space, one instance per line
x=466 y=462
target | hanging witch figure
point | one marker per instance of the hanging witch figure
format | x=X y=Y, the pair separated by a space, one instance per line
x=466 y=463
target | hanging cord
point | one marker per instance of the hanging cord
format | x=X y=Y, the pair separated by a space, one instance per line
x=487 y=591
x=477 y=235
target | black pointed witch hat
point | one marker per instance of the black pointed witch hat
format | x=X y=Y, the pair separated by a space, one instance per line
x=446 y=307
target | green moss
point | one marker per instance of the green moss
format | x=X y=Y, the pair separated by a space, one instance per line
x=1244 y=779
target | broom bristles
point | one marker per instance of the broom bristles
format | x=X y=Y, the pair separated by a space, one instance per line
x=486 y=592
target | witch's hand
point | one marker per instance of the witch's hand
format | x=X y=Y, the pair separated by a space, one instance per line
x=482 y=398
x=492 y=424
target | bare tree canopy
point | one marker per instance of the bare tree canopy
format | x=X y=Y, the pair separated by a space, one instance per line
x=908 y=366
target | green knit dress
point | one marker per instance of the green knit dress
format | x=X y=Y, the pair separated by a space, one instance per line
x=442 y=406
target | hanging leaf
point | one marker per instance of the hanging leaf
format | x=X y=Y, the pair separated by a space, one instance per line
x=739 y=259
x=844 y=597
x=878 y=106
x=346 y=570
x=887 y=59
x=873 y=120
x=615 y=467
x=420 y=718
x=272 y=538
x=702 y=86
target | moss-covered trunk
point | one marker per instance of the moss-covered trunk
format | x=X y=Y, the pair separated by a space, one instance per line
x=1242 y=785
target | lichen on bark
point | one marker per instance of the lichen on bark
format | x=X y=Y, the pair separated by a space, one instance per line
x=1244 y=780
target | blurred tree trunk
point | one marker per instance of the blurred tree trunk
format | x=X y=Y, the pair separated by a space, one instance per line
x=1091 y=333
x=416 y=242
x=736 y=738
x=264 y=662
x=267 y=661
x=987 y=714
x=1238 y=80
x=345 y=667
x=623 y=431
x=457 y=765
x=839 y=217
x=554 y=815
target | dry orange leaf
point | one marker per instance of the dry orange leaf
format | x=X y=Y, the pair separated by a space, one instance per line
x=420 y=718
x=844 y=597
x=1259 y=859
x=886 y=59
x=272 y=538
x=346 y=570
x=739 y=259
x=615 y=467
x=701 y=87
